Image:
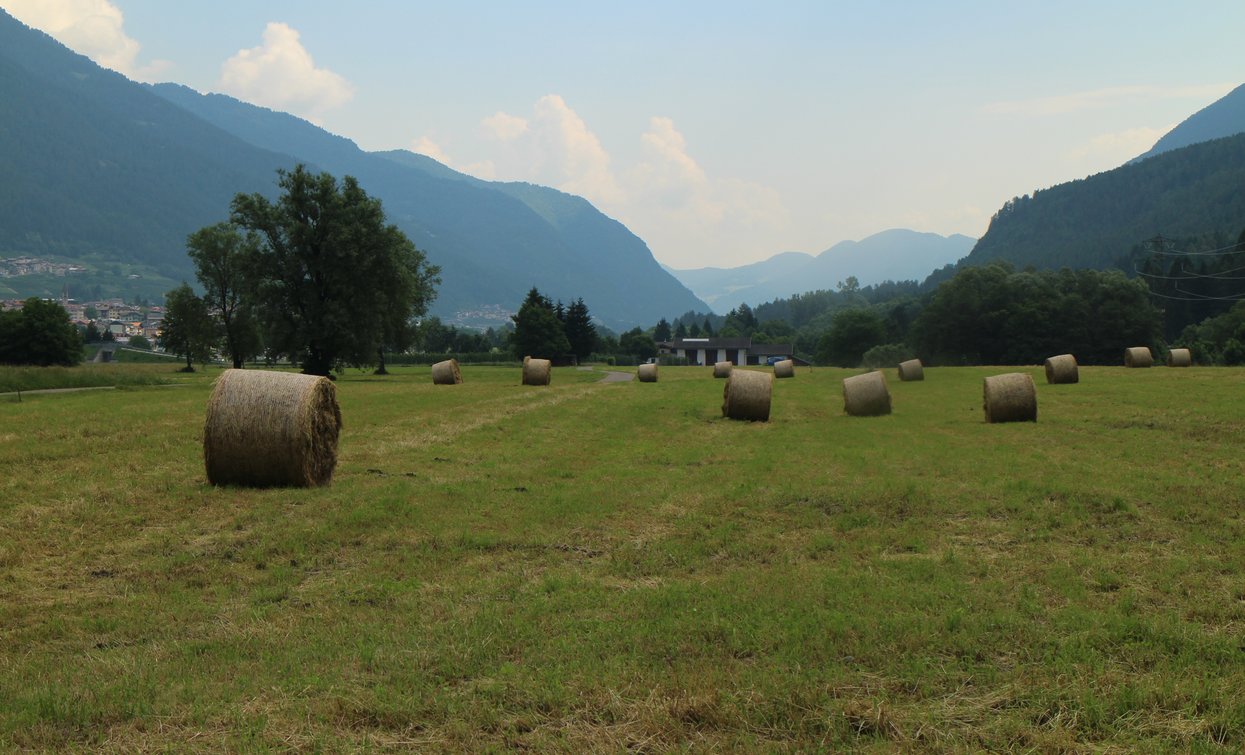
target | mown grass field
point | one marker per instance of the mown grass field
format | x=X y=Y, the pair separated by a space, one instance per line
x=614 y=566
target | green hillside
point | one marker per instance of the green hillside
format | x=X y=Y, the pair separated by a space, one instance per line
x=1095 y=222
x=98 y=170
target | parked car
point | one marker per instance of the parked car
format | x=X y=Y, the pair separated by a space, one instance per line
x=774 y=360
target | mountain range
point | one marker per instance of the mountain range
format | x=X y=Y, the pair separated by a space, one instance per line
x=1223 y=117
x=897 y=254
x=97 y=169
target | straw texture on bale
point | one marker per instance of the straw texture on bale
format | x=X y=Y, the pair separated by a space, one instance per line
x=446 y=373
x=1138 y=356
x=722 y=369
x=747 y=395
x=1062 y=369
x=911 y=370
x=647 y=373
x=866 y=395
x=784 y=369
x=1010 y=398
x=266 y=429
x=1179 y=358
x=537 y=371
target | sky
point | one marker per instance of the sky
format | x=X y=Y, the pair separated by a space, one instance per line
x=720 y=132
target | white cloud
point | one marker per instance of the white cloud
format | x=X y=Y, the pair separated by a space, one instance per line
x=94 y=28
x=666 y=197
x=680 y=208
x=281 y=74
x=505 y=127
x=1120 y=146
x=554 y=147
x=1107 y=97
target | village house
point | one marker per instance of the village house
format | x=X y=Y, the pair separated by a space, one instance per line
x=738 y=351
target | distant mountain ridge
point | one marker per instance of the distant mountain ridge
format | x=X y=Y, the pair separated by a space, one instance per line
x=98 y=168
x=896 y=254
x=1223 y=117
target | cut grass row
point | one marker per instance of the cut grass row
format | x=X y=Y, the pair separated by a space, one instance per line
x=596 y=566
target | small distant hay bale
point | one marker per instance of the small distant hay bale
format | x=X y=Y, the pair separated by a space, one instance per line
x=537 y=371
x=722 y=369
x=647 y=373
x=1062 y=370
x=784 y=369
x=1179 y=358
x=267 y=429
x=911 y=370
x=446 y=373
x=747 y=395
x=1010 y=398
x=866 y=395
x=1138 y=356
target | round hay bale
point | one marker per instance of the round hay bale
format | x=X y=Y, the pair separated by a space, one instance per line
x=446 y=373
x=1179 y=358
x=1062 y=369
x=722 y=369
x=747 y=395
x=911 y=370
x=784 y=369
x=1010 y=398
x=537 y=371
x=866 y=395
x=268 y=429
x=1138 y=356
x=647 y=373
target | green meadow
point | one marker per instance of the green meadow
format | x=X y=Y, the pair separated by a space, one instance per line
x=613 y=566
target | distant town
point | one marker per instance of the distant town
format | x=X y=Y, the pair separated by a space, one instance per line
x=122 y=320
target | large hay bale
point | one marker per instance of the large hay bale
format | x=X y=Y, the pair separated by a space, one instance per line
x=747 y=395
x=722 y=369
x=537 y=371
x=647 y=373
x=1138 y=356
x=911 y=370
x=1010 y=398
x=784 y=369
x=1179 y=358
x=866 y=395
x=1062 y=369
x=446 y=373
x=268 y=429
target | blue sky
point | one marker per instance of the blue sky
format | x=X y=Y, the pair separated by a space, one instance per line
x=720 y=132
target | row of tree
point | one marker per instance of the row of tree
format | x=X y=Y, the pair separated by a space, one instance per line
x=317 y=276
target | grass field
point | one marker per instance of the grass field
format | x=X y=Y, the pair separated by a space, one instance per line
x=599 y=566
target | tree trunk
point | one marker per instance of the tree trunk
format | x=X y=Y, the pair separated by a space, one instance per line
x=380 y=369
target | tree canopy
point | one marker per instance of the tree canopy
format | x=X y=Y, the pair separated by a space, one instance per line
x=333 y=283
x=537 y=330
x=41 y=334
x=188 y=329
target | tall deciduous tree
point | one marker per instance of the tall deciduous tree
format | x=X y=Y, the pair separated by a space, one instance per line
x=334 y=283
x=188 y=328
x=221 y=254
x=40 y=333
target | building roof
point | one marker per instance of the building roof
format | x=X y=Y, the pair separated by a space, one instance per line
x=772 y=349
x=712 y=343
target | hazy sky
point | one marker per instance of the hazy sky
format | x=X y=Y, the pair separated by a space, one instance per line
x=720 y=132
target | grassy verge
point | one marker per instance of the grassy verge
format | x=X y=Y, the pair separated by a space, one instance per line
x=614 y=566
x=83 y=376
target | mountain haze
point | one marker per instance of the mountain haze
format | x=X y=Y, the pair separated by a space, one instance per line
x=1224 y=117
x=896 y=254
x=99 y=169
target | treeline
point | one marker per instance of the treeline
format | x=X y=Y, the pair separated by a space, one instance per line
x=982 y=315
